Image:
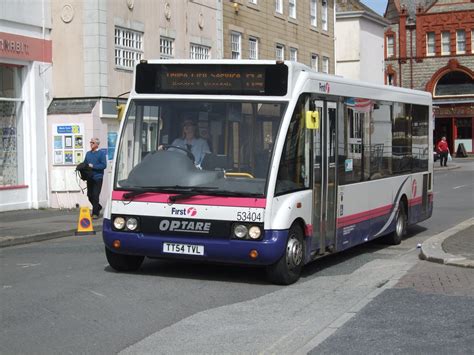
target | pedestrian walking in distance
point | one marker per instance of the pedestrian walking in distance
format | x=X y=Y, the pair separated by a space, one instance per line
x=443 y=151
x=97 y=160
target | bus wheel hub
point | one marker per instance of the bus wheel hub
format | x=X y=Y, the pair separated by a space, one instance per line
x=294 y=253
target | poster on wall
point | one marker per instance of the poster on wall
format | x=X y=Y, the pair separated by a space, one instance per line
x=58 y=142
x=58 y=157
x=68 y=144
x=78 y=142
x=78 y=157
x=111 y=144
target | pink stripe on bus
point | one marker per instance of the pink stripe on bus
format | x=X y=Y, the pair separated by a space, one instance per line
x=158 y=197
x=377 y=212
x=362 y=216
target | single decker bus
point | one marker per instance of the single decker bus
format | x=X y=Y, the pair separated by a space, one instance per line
x=284 y=165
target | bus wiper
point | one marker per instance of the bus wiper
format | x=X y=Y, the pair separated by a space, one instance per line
x=144 y=189
x=192 y=192
x=237 y=193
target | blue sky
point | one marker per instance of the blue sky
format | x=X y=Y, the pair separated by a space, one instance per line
x=376 y=5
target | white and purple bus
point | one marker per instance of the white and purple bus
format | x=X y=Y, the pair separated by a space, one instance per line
x=297 y=165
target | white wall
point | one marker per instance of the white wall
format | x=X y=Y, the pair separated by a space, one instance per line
x=372 y=58
x=348 y=48
x=359 y=49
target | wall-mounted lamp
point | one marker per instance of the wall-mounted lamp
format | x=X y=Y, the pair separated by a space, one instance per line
x=236 y=7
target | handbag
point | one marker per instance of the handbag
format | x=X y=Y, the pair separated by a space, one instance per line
x=85 y=171
x=450 y=158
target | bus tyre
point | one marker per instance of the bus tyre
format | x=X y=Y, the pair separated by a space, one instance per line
x=287 y=270
x=122 y=262
x=397 y=235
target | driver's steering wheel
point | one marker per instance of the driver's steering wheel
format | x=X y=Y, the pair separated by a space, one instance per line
x=188 y=152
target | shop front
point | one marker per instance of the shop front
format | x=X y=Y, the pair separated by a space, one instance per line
x=71 y=125
x=454 y=119
x=25 y=87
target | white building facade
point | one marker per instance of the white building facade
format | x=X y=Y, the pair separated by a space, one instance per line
x=96 y=44
x=359 y=43
x=25 y=94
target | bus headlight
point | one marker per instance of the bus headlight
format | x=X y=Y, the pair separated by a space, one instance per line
x=255 y=232
x=240 y=231
x=119 y=222
x=132 y=223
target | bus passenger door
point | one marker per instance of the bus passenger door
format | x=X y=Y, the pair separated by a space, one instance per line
x=324 y=177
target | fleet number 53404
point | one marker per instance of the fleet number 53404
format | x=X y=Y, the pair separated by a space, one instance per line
x=250 y=216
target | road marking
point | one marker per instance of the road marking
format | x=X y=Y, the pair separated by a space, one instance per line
x=97 y=293
x=458 y=187
x=27 y=265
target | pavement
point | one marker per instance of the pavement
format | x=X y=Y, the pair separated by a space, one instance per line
x=35 y=225
x=454 y=246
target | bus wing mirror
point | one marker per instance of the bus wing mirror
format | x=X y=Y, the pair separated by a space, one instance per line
x=120 y=111
x=312 y=119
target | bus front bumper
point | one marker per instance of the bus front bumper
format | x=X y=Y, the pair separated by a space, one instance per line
x=268 y=250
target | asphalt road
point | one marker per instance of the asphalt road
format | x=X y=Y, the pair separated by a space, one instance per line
x=60 y=296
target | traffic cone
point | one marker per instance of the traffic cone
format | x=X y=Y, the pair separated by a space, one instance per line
x=84 y=223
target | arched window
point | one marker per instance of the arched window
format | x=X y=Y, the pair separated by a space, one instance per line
x=454 y=83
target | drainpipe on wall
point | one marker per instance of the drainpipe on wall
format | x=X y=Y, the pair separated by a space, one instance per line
x=411 y=58
x=334 y=35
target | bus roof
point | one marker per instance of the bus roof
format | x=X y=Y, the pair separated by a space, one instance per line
x=299 y=78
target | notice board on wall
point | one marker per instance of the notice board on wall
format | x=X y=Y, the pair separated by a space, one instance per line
x=68 y=144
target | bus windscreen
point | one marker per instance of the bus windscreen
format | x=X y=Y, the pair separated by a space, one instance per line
x=225 y=79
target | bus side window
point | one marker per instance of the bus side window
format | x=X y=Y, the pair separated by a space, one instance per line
x=293 y=172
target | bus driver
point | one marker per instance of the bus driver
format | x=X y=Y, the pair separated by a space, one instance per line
x=192 y=142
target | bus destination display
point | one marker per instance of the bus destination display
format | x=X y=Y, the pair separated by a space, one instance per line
x=212 y=79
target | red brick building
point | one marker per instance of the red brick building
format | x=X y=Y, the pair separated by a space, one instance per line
x=429 y=46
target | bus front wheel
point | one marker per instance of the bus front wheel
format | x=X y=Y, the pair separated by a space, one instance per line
x=287 y=270
x=122 y=262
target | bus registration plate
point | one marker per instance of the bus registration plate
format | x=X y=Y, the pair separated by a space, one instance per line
x=188 y=249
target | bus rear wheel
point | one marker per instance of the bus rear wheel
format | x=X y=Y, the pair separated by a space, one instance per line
x=287 y=270
x=397 y=235
x=122 y=262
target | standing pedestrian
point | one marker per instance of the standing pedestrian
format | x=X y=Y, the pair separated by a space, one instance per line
x=95 y=159
x=443 y=151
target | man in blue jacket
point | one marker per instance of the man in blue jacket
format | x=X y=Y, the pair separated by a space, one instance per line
x=97 y=160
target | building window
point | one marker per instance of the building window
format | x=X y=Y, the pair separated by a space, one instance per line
x=460 y=42
x=324 y=15
x=430 y=44
x=445 y=43
x=279 y=6
x=325 y=65
x=235 y=40
x=11 y=123
x=199 y=52
x=454 y=83
x=280 y=52
x=390 y=79
x=253 y=48
x=292 y=8
x=166 y=48
x=313 y=13
x=293 y=54
x=315 y=61
x=128 y=47
x=390 y=46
